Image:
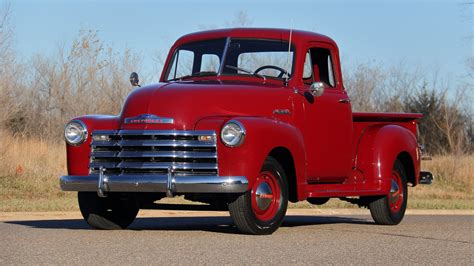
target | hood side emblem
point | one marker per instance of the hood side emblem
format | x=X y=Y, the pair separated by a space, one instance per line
x=148 y=119
x=281 y=112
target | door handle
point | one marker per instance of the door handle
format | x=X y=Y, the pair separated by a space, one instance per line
x=345 y=100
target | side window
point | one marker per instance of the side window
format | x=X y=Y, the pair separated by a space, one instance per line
x=308 y=69
x=322 y=66
x=183 y=64
x=331 y=81
x=210 y=62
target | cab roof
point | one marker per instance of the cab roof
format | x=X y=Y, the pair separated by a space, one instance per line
x=297 y=36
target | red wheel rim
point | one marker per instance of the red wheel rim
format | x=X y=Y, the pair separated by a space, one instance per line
x=265 y=205
x=397 y=193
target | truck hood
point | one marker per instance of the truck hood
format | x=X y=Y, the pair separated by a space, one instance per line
x=188 y=102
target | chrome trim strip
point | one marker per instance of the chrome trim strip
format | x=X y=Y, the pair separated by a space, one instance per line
x=105 y=165
x=165 y=165
x=155 y=132
x=154 y=165
x=148 y=154
x=104 y=143
x=150 y=142
x=165 y=143
x=168 y=132
x=104 y=132
x=157 y=183
x=104 y=154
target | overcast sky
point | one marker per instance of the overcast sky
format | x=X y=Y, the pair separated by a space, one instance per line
x=426 y=34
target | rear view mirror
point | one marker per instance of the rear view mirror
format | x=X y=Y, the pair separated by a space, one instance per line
x=134 y=79
x=317 y=89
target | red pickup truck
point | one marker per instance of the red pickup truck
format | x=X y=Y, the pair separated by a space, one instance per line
x=245 y=120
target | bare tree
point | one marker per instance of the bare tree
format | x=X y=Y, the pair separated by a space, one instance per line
x=10 y=88
x=453 y=122
x=362 y=84
x=241 y=19
x=6 y=33
x=87 y=77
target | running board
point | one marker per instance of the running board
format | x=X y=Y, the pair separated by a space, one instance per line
x=347 y=190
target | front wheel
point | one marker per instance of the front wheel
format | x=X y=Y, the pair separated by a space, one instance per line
x=117 y=211
x=390 y=209
x=261 y=210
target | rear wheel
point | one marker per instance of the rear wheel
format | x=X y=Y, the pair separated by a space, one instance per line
x=390 y=209
x=261 y=210
x=117 y=211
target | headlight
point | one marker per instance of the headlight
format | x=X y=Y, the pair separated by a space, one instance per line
x=75 y=132
x=233 y=133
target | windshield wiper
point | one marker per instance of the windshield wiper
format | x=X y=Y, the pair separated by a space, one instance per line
x=196 y=74
x=247 y=71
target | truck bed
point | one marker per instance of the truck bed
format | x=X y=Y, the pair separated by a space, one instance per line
x=385 y=117
x=362 y=122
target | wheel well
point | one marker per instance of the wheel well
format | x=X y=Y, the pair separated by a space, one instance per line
x=285 y=159
x=407 y=162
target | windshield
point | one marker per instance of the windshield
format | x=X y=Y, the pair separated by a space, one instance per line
x=249 y=57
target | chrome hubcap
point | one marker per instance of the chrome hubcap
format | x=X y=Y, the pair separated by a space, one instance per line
x=264 y=196
x=394 y=191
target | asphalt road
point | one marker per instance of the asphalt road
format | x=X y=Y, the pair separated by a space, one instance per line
x=203 y=239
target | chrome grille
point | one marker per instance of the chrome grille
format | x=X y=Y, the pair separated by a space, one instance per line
x=154 y=152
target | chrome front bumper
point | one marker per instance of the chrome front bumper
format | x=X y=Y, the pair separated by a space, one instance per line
x=154 y=183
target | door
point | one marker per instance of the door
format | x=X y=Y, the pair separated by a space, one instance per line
x=328 y=118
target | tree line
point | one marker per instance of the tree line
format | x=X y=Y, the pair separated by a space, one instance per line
x=41 y=93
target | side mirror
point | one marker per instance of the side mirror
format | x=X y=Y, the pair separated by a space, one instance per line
x=317 y=89
x=134 y=79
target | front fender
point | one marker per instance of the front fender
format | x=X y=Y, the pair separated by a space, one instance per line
x=378 y=149
x=262 y=136
x=78 y=156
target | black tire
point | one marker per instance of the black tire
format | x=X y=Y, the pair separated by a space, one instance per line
x=317 y=201
x=117 y=211
x=381 y=209
x=244 y=215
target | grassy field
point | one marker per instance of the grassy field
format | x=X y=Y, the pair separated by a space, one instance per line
x=29 y=171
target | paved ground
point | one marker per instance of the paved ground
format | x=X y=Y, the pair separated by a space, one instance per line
x=306 y=237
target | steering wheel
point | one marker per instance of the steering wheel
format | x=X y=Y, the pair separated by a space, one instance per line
x=282 y=71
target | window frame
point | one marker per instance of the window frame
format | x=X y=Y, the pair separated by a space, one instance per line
x=334 y=59
x=169 y=65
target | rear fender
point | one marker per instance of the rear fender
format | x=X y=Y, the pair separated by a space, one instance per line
x=379 y=147
x=262 y=136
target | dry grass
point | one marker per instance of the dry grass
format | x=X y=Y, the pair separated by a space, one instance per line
x=452 y=187
x=29 y=171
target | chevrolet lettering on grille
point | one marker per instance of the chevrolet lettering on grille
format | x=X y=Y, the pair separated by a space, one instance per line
x=149 y=119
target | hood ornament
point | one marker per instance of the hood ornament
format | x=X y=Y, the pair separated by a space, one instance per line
x=148 y=119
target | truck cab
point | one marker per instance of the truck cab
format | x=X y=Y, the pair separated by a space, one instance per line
x=244 y=120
